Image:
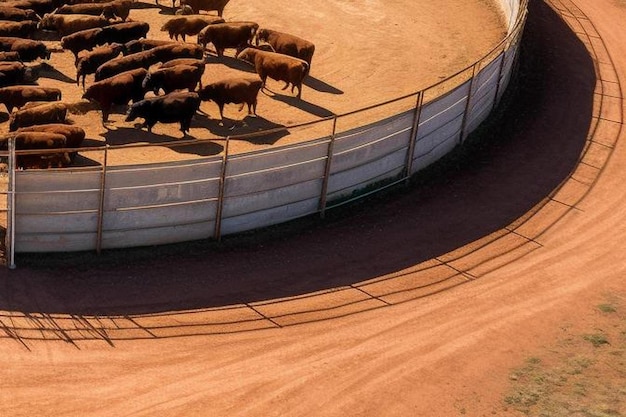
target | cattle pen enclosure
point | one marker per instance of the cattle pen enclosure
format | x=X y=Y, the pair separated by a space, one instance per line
x=111 y=205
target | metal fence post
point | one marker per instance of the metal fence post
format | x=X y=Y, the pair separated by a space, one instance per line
x=10 y=232
x=329 y=158
x=413 y=138
x=467 y=105
x=220 y=197
x=102 y=198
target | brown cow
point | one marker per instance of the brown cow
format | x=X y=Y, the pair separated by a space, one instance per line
x=89 y=62
x=35 y=114
x=119 y=89
x=172 y=78
x=207 y=5
x=139 y=45
x=184 y=26
x=66 y=24
x=74 y=135
x=83 y=40
x=37 y=141
x=147 y=58
x=236 y=90
x=28 y=49
x=124 y=32
x=16 y=96
x=110 y=9
x=9 y=56
x=40 y=7
x=24 y=29
x=277 y=66
x=285 y=43
x=13 y=73
x=236 y=35
x=16 y=14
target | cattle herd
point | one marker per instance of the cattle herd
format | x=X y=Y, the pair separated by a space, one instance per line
x=160 y=81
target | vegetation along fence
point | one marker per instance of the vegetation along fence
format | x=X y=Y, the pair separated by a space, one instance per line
x=108 y=206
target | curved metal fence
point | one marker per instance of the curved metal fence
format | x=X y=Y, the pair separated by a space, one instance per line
x=110 y=206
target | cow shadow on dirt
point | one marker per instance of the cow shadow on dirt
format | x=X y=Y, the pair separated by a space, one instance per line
x=163 y=6
x=301 y=104
x=253 y=129
x=321 y=86
x=45 y=70
x=130 y=135
x=210 y=58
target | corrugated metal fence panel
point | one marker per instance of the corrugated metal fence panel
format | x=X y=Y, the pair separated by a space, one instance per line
x=56 y=210
x=484 y=95
x=357 y=138
x=429 y=149
x=277 y=157
x=157 y=236
x=58 y=242
x=438 y=113
x=269 y=217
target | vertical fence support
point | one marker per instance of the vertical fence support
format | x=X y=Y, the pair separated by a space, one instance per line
x=469 y=102
x=10 y=232
x=495 y=99
x=413 y=138
x=329 y=159
x=102 y=198
x=222 y=189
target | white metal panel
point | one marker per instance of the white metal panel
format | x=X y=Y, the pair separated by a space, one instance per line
x=158 y=236
x=170 y=172
x=59 y=223
x=56 y=201
x=61 y=242
x=57 y=180
x=362 y=187
x=170 y=215
x=274 y=178
x=374 y=150
x=428 y=125
x=250 y=203
x=451 y=129
x=356 y=138
x=269 y=217
x=246 y=163
x=161 y=194
x=364 y=173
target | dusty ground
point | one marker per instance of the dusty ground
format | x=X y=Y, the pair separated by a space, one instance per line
x=457 y=352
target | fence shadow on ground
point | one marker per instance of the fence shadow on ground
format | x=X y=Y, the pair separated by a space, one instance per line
x=527 y=150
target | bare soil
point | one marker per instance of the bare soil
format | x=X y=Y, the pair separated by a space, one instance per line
x=469 y=350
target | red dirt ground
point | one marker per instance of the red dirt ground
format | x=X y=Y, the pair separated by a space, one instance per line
x=448 y=354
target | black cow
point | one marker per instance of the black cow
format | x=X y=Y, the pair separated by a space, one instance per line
x=170 y=108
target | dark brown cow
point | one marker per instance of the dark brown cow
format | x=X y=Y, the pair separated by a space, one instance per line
x=287 y=44
x=171 y=108
x=184 y=26
x=124 y=32
x=238 y=90
x=89 y=62
x=110 y=9
x=207 y=5
x=28 y=49
x=16 y=96
x=177 y=77
x=74 y=135
x=17 y=14
x=119 y=89
x=40 y=7
x=140 y=45
x=237 y=35
x=37 y=114
x=37 y=141
x=66 y=24
x=83 y=40
x=147 y=58
x=13 y=73
x=278 y=67
x=24 y=29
